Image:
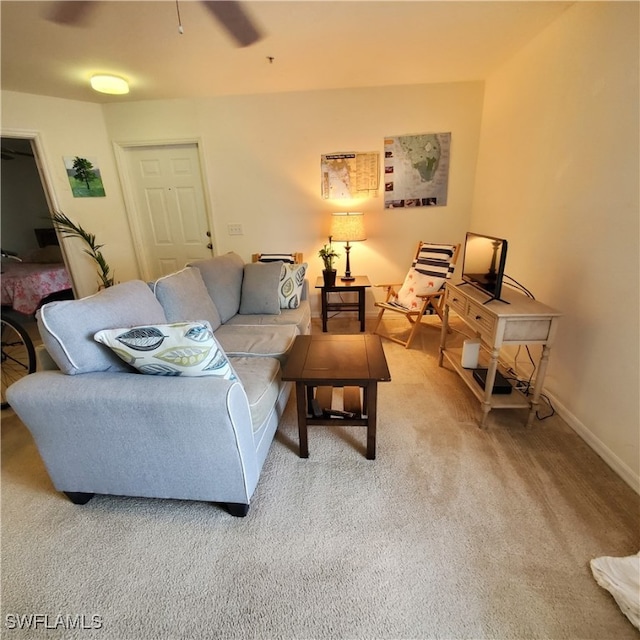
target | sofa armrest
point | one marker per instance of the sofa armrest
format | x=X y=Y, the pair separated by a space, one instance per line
x=131 y=434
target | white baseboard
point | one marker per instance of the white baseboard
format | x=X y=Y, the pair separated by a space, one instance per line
x=622 y=469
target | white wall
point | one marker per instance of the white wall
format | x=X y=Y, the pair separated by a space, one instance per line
x=262 y=162
x=558 y=177
x=262 y=167
x=72 y=128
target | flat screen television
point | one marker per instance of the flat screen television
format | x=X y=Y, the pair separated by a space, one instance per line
x=483 y=263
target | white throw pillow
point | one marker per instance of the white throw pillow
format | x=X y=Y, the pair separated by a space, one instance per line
x=427 y=274
x=177 y=349
x=291 y=284
x=417 y=284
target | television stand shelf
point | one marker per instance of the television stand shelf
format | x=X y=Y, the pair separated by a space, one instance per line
x=497 y=324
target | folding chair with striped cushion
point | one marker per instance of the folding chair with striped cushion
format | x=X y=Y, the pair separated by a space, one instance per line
x=422 y=291
x=289 y=258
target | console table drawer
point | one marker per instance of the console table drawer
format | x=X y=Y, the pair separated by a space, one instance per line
x=481 y=318
x=457 y=303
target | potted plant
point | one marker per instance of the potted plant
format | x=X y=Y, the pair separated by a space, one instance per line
x=71 y=230
x=328 y=253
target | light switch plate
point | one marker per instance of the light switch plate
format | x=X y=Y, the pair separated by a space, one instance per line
x=235 y=229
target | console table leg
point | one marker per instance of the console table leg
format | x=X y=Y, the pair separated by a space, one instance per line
x=301 y=402
x=443 y=334
x=537 y=389
x=488 y=386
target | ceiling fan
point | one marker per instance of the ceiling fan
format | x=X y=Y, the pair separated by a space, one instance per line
x=10 y=154
x=229 y=14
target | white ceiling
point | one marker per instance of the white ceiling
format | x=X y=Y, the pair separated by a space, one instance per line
x=316 y=44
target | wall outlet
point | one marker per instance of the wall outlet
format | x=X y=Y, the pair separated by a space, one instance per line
x=235 y=229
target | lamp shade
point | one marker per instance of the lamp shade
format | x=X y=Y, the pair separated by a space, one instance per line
x=347 y=227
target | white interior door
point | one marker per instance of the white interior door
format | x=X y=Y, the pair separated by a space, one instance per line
x=166 y=181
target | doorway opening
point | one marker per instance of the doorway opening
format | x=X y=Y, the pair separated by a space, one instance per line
x=34 y=269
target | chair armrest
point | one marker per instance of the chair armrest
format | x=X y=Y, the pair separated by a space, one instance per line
x=435 y=294
x=391 y=292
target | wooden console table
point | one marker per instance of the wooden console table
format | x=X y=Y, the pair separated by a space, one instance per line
x=498 y=324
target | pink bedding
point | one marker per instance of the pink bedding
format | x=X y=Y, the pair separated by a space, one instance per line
x=25 y=284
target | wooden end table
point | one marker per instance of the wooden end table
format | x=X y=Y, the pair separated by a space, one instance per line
x=358 y=285
x=318 y=363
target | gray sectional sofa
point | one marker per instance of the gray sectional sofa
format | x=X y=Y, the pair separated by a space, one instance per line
x=199 y=431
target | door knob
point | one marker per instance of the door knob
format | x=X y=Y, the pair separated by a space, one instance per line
x=209 y=246
x=208 y=234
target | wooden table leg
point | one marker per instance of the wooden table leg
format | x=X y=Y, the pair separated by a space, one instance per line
x=537 y=388
x=301 y=402
x=361 y=301
x=371 y=395
x=443 y=334
x=323 y=297
x=488 y=386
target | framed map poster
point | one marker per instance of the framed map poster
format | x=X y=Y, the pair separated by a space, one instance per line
x=349 y=174
x=416 y=170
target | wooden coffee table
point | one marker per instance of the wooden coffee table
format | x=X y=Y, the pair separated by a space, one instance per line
x=319 y=363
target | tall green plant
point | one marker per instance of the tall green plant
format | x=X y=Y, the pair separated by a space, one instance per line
x=71 y=230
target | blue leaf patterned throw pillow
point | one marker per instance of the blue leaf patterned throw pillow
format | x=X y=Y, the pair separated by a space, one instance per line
x=291 y=283
x=177 y=349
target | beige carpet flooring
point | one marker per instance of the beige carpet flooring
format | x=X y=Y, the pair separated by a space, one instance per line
x=452 y=532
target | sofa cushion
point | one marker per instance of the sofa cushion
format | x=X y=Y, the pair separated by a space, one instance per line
x=222 y=276
x=291 y=285
x=300 y=317
x=184 y=297
x=187 y=349
x=260 y=288
x=67 y=327
x=260 y=378
x=243 y=340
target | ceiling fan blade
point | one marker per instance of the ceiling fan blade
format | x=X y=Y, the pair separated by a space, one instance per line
x=6 y=151
x=73 y=13
x=235 y=20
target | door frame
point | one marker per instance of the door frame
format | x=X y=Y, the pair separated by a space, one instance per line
x=121 y=149
x=46 y=182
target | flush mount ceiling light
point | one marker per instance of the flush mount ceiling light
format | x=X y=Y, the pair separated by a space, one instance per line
x=109 y=84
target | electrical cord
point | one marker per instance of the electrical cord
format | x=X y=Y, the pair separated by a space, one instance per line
x=523 y=385
x=518 y=285
x=342 y=300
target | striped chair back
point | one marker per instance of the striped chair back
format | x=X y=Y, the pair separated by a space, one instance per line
x=289 y=258
x=435 y=260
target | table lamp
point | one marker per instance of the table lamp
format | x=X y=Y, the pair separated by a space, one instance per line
x=347 y=227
